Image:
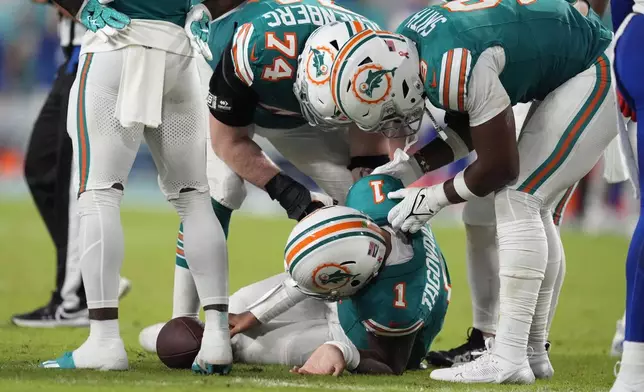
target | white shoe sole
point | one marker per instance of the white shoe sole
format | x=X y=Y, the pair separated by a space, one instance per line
x=75 y=322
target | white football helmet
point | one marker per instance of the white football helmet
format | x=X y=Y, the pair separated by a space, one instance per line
x=311 y=86
x=375 y=81
x=334 y=252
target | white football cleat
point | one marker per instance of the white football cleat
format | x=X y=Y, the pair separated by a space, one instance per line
x=216 y=354
x=489 y=368
x=148 y=337
x=617 y=345
x=97 y=354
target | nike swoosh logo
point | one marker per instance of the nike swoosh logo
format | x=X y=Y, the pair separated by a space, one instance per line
x=420 y=202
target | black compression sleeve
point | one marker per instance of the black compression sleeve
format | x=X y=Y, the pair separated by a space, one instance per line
x=230 y=101
x=292 y=196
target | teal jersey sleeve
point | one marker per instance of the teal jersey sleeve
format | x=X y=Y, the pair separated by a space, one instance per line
x=546 y=42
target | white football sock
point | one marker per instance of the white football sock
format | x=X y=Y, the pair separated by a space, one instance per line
x=482 y=258
x=103 y=349
x=523 y=253
x=556 y=291
x=538 y=330
x=631 y=371
x=204 y=245
x=101 y=246
x=185 y=300
x=216 y=348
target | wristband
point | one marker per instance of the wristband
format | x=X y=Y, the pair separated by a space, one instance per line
x=292 y=196
x=349 y=352
x=461 y=187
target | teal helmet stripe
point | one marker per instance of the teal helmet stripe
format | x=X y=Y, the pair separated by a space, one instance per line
x=338 y=87
x=331 y=239
x=349 y=27
x=322 y=223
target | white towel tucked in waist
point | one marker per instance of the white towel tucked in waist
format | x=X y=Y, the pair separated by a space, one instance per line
x=140 y=96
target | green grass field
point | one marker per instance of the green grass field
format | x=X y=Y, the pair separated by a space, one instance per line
x=591 y=302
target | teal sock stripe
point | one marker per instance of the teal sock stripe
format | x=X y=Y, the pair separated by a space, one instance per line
x=223 y=215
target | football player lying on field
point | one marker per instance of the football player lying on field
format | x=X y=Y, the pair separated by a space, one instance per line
x=386 y=293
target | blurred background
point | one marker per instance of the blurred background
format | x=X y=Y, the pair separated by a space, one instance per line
x=30 y=57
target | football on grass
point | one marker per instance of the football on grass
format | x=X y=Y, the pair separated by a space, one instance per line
x=179 y=342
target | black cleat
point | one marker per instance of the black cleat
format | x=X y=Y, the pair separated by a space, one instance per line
x=466 y=352
x=53 y=315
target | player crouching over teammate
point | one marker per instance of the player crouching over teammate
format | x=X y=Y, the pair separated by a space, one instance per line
x=476 y=60
x=393 y=290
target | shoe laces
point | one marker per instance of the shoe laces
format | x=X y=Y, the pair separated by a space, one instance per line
x=465 y=347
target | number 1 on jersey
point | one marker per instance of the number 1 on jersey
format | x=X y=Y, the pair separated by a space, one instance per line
x=376 y=188
x=399 y=296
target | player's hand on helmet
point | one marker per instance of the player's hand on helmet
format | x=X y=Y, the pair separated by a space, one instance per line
x=625 y=108
x=402 y=166
x=326 y=360
x=105 y=21
x=318 y=200
x=418 y=206
x=197 y=28
x=242 y=322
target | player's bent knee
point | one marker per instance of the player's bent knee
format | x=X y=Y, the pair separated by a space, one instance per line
x=191 y=202
x=91 y=201
x=511 y=205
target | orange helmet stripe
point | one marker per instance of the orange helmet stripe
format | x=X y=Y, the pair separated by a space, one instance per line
x=316 y=235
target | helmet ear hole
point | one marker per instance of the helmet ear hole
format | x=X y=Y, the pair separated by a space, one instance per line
x=405 y=89
x=334 y=43
x=355 y=283
x=366 y=60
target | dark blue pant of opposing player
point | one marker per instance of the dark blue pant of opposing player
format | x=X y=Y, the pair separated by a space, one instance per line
x=629 y=68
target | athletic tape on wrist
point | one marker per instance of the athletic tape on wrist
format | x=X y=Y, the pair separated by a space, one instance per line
x=349 y=352
x=461 y=187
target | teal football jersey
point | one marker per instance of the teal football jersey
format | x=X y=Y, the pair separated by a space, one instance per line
x=173 y=11
x=268 y=38
x=403 y=298
x=546 y=43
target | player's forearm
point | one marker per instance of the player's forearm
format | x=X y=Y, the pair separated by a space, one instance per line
x=220 y=7
x=439 y=152
x=497 y=163
x=242 y=154
x=276 y=301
